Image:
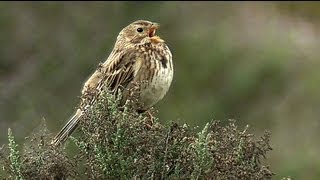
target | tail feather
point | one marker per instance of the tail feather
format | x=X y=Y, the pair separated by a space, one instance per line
x=66 y=131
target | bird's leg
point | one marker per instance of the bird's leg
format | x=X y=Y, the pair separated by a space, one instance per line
x=149 y=125
x=151 y=117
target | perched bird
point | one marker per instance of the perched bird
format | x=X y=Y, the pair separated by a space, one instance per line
x=140 y=64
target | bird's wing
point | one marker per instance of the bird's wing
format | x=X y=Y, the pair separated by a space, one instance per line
x=120 y=71
x=116 y=72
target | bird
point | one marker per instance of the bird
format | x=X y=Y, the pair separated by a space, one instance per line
x=140 y=64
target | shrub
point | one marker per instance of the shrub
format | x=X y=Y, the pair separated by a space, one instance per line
x=114 y=144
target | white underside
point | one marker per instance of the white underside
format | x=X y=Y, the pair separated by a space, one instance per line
x=157 y=88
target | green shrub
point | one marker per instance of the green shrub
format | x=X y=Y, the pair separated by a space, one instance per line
x=113 y=144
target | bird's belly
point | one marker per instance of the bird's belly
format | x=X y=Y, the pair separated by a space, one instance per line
x=154 y=90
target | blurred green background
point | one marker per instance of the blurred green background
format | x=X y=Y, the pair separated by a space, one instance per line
x=257 y=62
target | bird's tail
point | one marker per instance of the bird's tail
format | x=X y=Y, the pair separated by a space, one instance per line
x=66 y=131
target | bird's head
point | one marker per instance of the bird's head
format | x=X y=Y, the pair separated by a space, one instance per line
x=140 y=32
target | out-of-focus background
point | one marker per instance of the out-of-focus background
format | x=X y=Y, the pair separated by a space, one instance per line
x=257 y=62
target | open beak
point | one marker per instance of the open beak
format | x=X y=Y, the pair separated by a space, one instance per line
x=152 y=33
x=153 y=28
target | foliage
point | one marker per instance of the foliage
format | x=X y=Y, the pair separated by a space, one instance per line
x=39 y=160
x=114 y=144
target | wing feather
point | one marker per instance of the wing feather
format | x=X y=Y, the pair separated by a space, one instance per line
x=115 y=73
x=121 y=72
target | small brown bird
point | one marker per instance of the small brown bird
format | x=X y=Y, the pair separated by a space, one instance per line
x=140 y=64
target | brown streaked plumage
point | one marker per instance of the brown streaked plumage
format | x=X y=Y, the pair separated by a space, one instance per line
x=140 y=64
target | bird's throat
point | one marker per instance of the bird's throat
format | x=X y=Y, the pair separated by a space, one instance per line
x=156 y=39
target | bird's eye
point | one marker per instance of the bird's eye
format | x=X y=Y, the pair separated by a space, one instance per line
x=139 y=29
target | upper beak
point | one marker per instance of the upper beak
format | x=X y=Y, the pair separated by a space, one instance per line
x=153 y=28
